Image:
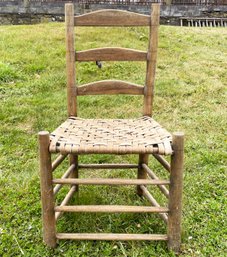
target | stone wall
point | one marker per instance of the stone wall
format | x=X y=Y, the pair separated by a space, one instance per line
x=26 y=12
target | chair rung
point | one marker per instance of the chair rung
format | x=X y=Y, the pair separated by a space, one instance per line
x=108 y=166
x=106 y=236
x=110 y=208
x=112 y=181
x=58 y=161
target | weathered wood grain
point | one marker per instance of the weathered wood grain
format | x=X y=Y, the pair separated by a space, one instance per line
x=110 y=87
x=115 y=237
x=70 y=60
x=111 y=209
x=110 y=181
x=151 y=63
x=110 y=54
x=112 y=18
x=175 y=193
x=47 y=196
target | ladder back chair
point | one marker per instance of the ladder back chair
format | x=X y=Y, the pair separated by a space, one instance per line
x=142 y=136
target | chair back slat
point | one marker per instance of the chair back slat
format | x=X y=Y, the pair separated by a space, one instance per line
x=110 y=87
x=111 y=18
x=111 y=54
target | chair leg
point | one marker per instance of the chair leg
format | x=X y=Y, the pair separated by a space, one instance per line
x=175 y=193
x=142 y=174
x=73 y=159
x=47 y=196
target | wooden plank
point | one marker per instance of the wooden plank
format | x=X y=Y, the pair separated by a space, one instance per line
x=105 y=236
x=111 y=209
x=112 y=18
x=151 y=63
x=58 y=161
x=70 y=60
x=152 y=175
x=175 y=193
x=163 y=161
x=110 y=54
x=110 y=87
x=111 y=181
x=65 y=175
x=108 y=166
x=47 y=197
x=67 y=198
x=151 y=199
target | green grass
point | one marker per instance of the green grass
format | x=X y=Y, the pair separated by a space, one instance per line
x=189 y=96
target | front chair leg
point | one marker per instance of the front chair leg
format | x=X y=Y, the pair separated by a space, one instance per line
x=47 y=196
x=73 y=159
x=175 y=193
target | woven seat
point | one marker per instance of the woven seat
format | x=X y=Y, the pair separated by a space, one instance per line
x=118 y=136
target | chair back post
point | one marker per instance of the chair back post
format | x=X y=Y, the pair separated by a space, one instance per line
x=151 y=61
x=70 y=60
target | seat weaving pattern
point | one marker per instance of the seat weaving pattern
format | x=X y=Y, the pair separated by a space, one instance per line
x=116 y=136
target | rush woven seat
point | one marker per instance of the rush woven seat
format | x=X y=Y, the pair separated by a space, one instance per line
x=118 y=136
x=143 y=136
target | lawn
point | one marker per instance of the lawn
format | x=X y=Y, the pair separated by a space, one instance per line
x=189 y=96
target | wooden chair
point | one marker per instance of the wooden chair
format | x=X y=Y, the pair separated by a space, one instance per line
x=143 y=136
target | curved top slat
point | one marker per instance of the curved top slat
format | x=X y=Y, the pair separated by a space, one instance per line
x=110 y=87
x=111 y=17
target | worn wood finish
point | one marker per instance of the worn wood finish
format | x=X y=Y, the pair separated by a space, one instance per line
x=111 y=181
x=172 y=214
x=65 y=201
x=47 y=197
x=163 y=161
x=65 y=175
x=73 y=159
x=70 y=60
x=111 y=209
x=152 y=175
x=110 y=87
x=58 y=161
x=175 y=193
x=111 y=18
x=141 y=174
x=111 y=54
x=152 y=200
x=115 y=237
x=151 y=63
x=108 y=166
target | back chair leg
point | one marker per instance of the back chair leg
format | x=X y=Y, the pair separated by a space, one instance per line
x=73 y=159
x=175 y=193
x=47 y=196
x=142 y=174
